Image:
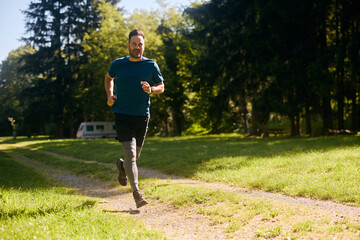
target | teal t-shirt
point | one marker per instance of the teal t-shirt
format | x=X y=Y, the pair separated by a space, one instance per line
x=131 y=98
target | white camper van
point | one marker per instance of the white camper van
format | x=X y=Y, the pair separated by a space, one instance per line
x=96 y=130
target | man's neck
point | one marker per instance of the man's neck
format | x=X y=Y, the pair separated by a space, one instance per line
x=131 y=59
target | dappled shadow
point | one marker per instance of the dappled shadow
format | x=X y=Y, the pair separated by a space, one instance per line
x=25 y=177
x=44 y=210
x=186 y=156
x=99 y=150
x=38 y=175
x=10 y=140
x=190 y=157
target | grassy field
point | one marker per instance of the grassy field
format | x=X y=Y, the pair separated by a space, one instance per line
x=32 y=207
x=322 y=168
x=238 y=212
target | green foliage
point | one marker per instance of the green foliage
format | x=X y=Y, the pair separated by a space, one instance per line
x=175 y=96
x=228 y=65
x=102 y=46
x=221 y=74
x=13 y=83
x=282 y=57
x=57 y=29
x=148 y=22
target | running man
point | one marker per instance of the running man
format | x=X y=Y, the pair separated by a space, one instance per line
x=136 y=78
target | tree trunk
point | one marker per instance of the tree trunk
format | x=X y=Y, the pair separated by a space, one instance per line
x=354 y=59
x=60 y=130
x=246 y=121
x=71 y=124
x=354 y=105
x=340 y=42
x=167 y=126
x=295 y=125
x=326 y=78
x=340 y=100
x=327 y=115
x=308 y=120
x=244 y=111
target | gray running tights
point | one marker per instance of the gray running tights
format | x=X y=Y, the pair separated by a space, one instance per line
x=131 y=154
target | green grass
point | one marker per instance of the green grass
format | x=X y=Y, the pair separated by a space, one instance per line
x=92 y=169
x=303 y=226
x=33 y=207
x=269 y=233
x=236 y=212
x=322 y=168
x=222 y=207
x=325 y=168
x=101 y=150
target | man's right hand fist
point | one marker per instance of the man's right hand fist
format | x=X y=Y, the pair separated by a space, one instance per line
x=111 y=100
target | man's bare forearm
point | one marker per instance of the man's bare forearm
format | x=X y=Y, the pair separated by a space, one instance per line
x=109 y=85
x=158 y=88
x=109 y=88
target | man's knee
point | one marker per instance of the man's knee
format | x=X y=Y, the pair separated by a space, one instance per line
x=129 y=150
x=129 y=154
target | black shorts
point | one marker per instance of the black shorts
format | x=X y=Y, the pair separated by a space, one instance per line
x=129 y=127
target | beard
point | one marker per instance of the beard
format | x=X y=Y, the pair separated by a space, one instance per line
x=135 y=53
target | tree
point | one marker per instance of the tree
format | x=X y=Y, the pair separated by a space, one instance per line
x=170 y=30
x=101 y=46
x=226 y=68
x=292 y=37
x=12 y=84
x=57 y=29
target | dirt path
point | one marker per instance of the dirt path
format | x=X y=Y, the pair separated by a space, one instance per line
x=175 y=223
x=342 y=209
x=161 y=217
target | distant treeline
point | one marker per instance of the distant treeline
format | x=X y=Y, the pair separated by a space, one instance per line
x=228 y=65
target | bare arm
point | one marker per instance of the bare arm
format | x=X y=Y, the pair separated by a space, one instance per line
x=109 y=88
x=157 y=89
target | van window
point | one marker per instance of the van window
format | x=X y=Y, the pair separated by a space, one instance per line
x=89 y=128
x=100 y=127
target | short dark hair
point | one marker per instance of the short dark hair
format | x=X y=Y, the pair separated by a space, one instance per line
x=136 y=32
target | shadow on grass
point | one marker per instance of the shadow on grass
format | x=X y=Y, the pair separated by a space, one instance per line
x=15 y=175
x=184 y=156
x=10 y=140
x=181 y=156
x=42 y=211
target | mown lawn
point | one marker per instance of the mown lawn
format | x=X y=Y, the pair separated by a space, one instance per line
x=322 y=168
x=33 y=207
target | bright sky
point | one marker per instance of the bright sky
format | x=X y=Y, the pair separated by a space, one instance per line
x=12 y=21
